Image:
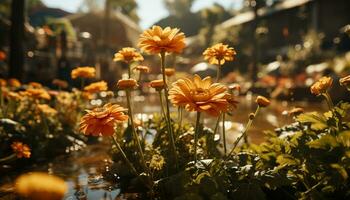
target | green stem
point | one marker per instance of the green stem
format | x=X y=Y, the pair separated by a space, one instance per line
x=329 y=100
x=169 y=127
x=218 y=72
x=180 y=113
x=196 y=136
x=8 y=158
x=124 y=156
x=223 y=132
x=244 y=132
x=1 y=98
x=162 y=104
x=129 y=70
x=217 y=125
x=133 y=129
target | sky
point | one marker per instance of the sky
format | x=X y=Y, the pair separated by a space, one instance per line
x=149 y=11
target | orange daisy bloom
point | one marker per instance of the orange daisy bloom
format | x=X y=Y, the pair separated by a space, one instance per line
x=262 y=101
x=157 y=40
x=157 y=84
x=321 y=86
x=46 y=109
x=60 y=83
x=21 y=150
x=127 y=55
x=127 y=84
x=219 y=54
x=13 y=82
x=83 y=72
x=101 y=121
x=37 y=93
x=96 y=87
x=199 y=95
x=35 y=85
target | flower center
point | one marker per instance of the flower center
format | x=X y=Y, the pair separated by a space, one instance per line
x=200 y=94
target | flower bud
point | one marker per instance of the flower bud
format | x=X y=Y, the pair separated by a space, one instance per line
x=345 y=81
x=321 y=86
x=157 y=84
x=251 y=116
x=127 y=84
x=295 y=111
x=262 y=101
x=169 y=71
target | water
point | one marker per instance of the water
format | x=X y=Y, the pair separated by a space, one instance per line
x=84 y=170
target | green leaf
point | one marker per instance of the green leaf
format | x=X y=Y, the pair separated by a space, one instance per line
x=344 y=138
x=341 y=170
x=324 y=142
x=286 y=160
x=317 y=121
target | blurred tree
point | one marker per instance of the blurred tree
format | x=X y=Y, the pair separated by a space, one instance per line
x=17 y=39
x=178 y=7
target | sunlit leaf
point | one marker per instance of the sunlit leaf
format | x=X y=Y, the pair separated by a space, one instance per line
x=316 y=121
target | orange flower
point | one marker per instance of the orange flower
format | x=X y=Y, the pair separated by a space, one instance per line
x=41 y=186
x=199 y=95
x=219 y=53
x=157 y=84
x=21 y=150
x=96 y=87
x=14 y=82
x=46 y=109
x=37 y=93
x=35 y=85
x=157 y=40
x=3 y=82
x=83 y=72
x=127 y=55
x=321 y=86
x=2 y=56
x=143 y=69
x=262 y=101
x=169 y=71
x=13 y=95
x=60 y=83
x=127 y=84
x=101 y=121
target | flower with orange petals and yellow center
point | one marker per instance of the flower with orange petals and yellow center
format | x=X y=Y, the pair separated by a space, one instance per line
x=37 y=93
x=101 y=121
x=321 y=86
x=21 y=150
x=60 y=83
x=157 y=40
x=96 y=87
x=199 y=95
x=83 y=72
x=219 y=54
x=127 y=55
x=169 y=71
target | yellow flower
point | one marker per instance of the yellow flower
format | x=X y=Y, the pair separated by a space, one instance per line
x=321 y=86
x=101 y=121
x=83 y=72
x=127 y=55
x=199 y=95
x=169 y=71
x=14 y=82
x=345 y=81
x=37 y=93
x=96 y=87
x=127 y=84
x=157 y=84
x=219 y=53
x=143 y=69
x=41 y=186
x=262 y=101
x=46 y=109
x=60 y=83
x=157 y=40
x=35 y=85
x=21 y=150
x=157 y=162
